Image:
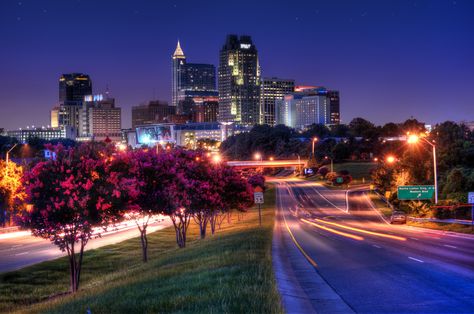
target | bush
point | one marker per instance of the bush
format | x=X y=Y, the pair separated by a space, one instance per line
x=323 y=171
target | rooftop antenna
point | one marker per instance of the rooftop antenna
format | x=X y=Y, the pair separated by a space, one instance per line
x=107 y=92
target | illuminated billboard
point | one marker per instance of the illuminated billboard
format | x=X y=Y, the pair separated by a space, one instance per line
x=150 y=135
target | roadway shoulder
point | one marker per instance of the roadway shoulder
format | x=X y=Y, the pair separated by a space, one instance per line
x=301 y=287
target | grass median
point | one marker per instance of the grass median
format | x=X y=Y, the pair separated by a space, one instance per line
x=452 y=227
x=228 y=272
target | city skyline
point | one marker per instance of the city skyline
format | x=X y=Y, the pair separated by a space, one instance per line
x=404 y=67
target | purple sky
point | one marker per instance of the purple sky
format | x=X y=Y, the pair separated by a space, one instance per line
x=390 y=59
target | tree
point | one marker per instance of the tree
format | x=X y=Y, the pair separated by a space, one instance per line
x=71 y=195
x=360 y=127
x=10 y=189
x=237 y=193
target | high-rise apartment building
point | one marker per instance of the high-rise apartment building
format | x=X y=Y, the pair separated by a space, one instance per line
x=153 y=112
x=306 y=106
x=239 y=81
x=190 y=76
x=100 y=119
x=273 y=89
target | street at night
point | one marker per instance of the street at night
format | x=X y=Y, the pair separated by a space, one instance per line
x=373 y=266
x=312 y=156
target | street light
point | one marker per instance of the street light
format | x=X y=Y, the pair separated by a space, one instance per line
x=390 y=159
x=315 y=139
x=258 y=156
x=216 y=159
x=413 y=139
x=8 y=152
x=271 y=158
x=332 y=162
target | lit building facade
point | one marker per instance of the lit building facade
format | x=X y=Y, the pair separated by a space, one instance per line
x=100 y=119
x=205 y=109
x=306 y=106
x=190 y=76
x=153 y=112
x=239 y=81
x=54 y=117
x=23 y=135
x=273 y=89
x=185 y=135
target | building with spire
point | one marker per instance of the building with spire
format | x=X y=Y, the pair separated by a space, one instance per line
x=239 y=81
x=190 y=80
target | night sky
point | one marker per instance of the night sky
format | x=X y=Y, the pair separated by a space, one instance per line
x=390 y=60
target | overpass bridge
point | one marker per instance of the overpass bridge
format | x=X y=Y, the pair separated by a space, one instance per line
x=266 y=163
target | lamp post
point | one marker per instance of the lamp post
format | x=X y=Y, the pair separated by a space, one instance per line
x=315 y=139
x=7 y=159
x=412 y=139
x=332 y=162
x=299 y=163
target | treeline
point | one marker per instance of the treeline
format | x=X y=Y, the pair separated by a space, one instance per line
x=90 y=187
x=358 y=140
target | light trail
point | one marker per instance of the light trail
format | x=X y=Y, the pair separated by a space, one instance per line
x=363 y=231
x=344 y=234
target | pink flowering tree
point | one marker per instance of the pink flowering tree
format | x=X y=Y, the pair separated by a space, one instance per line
x=205 y=184
x=140 y=177
x=72 y=201
x=237 y=195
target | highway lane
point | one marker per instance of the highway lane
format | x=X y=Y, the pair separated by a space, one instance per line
x=20 y=249
x=381 y=268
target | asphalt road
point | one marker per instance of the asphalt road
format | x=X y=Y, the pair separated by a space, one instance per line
x=20 y=249
x=373 y=266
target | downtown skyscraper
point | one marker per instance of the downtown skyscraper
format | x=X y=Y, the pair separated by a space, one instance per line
x=239 y=81
x=190 y=79
x=271 y=90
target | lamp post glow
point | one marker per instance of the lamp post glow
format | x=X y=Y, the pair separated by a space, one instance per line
x=413 y=139
x=8 y=153
x=315 y=139
x=258 y=156
x=390 y=159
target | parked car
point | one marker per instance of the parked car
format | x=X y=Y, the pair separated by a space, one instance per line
x=398 y=217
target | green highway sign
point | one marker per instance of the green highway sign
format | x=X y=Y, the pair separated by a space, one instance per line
x=415 y=192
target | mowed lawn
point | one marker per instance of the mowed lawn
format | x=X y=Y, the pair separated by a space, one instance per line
x=228 y=272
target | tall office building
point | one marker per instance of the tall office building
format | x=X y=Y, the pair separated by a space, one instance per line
x=239 y=81
x=272 y=89
x=73 y=87
x=306 y=106
x=334 y=110
x=188 y=77
x=100 y=119
x=153 y=112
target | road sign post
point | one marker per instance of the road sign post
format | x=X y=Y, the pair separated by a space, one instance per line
x=470 y=200
x=258 y=199
x=415 y=192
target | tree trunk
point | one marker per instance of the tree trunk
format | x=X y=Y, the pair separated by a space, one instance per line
x=144 y=241
x=201 y=219
x=181 y=223
x=213 y=221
